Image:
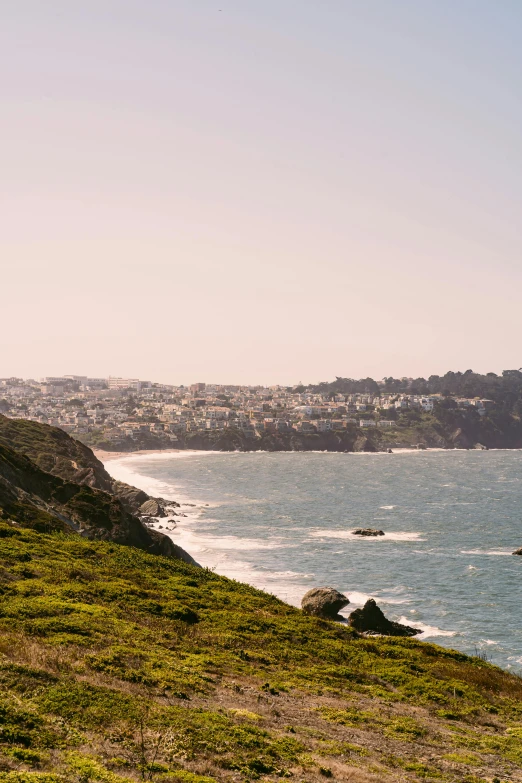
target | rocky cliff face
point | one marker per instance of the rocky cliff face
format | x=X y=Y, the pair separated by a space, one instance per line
x=55 y=452
x=52 y=450
x=33 y=498
x=349 y=440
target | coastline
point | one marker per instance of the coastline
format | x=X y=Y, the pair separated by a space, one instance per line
x=242 y=552
x=107 y=456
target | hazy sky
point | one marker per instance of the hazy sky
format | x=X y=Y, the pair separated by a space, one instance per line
x=260 y=191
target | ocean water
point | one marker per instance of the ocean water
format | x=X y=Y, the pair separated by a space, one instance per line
x=283 y=522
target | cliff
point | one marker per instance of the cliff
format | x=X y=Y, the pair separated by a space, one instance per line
x=57 y=453
x=446 y=428
x=33 y=498
x=52 y=450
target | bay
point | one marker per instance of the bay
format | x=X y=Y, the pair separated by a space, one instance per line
x=283 y=522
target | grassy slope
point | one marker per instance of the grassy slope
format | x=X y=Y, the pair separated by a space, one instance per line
x=116 y=665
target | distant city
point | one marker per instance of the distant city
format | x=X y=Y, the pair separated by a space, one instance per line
x=119 y=411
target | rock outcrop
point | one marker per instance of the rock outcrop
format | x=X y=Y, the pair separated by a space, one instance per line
x=367 y=531
x=54 y=451
x=131 y=497
x=460 y=439
x=151 y=508
x=324 y=602
x=518 y=552
x=370 y=445
x=370 y=619
x=31 y=497
x=57 y=453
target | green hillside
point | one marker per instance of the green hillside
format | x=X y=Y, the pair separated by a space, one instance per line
x=117 y=665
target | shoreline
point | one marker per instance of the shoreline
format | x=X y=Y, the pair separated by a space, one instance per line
x=108 y=456
x=227 y=551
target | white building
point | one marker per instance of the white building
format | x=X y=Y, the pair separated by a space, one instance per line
x=124 y=383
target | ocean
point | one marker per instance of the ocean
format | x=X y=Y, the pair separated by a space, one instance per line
x=283 y=522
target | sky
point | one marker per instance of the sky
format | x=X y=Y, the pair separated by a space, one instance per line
x=260 y=191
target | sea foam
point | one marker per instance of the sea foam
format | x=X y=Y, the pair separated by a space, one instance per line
x=426 y=630
x=350 y=535
x=497 y=552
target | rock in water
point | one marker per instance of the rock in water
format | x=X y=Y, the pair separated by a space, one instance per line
x=371 y=619
x=518 y=552
x=324 y=602
x=367 y=531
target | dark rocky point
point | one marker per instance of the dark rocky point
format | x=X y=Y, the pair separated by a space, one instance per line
x=367 y=531
x=370 y=619
x=40 y=498
x=324 y=602
x=518 y=552
x=151 y=508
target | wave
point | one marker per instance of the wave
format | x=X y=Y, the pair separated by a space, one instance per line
x=222 y=554
x=218 y=552
x=359 y=599
x=289 y=586
x=350 y=536
x=121 y=470
x=288 y=575
x=497 y=552
x=387 y=508
x=203 y=542
x=427 y=631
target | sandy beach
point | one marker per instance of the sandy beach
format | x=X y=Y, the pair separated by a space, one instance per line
x=107 y=456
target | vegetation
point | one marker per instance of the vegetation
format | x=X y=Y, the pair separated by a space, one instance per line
x=504 y=389
x=117 y=666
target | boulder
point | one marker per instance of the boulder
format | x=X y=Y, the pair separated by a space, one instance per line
x=370 y=619
x=324 y=602
x=367 y=531
x=151 y=508
x=518 y=552
x=131 y=497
